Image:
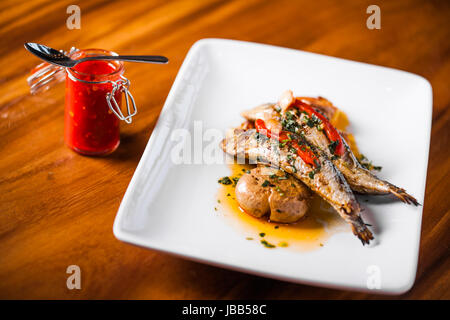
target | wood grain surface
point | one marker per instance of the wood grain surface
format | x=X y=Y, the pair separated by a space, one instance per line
x=57 y=208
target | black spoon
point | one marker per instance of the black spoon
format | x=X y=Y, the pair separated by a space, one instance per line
x=58 y=58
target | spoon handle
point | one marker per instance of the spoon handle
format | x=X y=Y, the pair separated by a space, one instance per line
x=146 y=59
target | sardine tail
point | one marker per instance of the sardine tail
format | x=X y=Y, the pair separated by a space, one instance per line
x=360 y=230
x=404 y=196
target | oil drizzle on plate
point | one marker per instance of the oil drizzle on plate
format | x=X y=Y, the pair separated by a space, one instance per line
x=310 y=233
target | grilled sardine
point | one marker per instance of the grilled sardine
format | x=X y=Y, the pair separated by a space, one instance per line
x=326 y=181
x=359 y=178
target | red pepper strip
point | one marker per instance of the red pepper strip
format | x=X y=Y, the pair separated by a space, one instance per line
x=329 y=129
x=303 y=151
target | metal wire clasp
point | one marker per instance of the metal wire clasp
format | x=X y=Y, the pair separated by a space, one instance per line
x=122 y=84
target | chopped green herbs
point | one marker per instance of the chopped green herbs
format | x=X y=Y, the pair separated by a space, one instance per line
x=266 y=244
x=225 y=181
x=366 y=163
x=289 y=115
x=333 y=145
x=290 y=125
x=262 y=234
x=265 y=183
x=309 y=122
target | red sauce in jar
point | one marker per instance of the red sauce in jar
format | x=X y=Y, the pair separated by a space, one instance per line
x=95 y=67
x=91 y=128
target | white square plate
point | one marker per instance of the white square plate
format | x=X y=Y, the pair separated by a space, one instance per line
x=170 y=207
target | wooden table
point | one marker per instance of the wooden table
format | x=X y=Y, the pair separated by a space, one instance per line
x=57 y=208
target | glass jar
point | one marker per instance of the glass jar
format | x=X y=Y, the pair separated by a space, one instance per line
x=91 y=127
x=93 y=107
